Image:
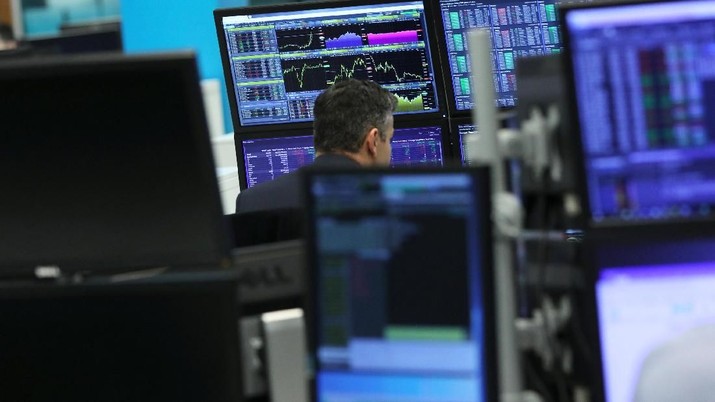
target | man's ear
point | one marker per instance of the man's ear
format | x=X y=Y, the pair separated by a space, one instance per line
x=371 y=141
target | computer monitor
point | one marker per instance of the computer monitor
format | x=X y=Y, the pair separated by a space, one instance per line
x=107 y=165
x=518 y=29
x=266 y=158
x=652 y=298
x=169 y=338
x=401 y=285
x=423 y=143
x=277 y=59
x=460 y=127
x=646 y=109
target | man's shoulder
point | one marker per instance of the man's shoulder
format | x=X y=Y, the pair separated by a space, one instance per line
x=282 y=192
x=285 y=191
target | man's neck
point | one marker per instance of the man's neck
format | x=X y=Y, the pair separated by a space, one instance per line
x=356 y=156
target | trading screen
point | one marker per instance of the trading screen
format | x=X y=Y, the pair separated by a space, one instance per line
x=417 y=146
x=644 y=86
x=268 y=158
x=281 y=61
x=462 y=131
x=518 y=29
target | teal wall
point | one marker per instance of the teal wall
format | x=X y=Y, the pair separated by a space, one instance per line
x=154 y=25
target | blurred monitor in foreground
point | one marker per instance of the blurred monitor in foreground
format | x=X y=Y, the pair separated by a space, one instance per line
x=383 y=246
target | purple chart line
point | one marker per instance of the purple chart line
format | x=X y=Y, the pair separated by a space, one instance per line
x=392 y=38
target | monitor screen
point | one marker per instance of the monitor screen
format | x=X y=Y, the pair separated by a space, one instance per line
x=418 y=146
x=463 y=129
x=645 y=96
x=277 y=59
x=386 y=245
x=159 y=339
x=108 y=165
x=651 y=297
x=519 y=28
x=268 y=158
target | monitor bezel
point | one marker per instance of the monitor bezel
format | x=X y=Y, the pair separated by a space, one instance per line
x=620 y=228
x=185 y=65
x=482 y=178
x=430 y=39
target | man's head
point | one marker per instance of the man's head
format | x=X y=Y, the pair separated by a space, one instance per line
x=354 y=118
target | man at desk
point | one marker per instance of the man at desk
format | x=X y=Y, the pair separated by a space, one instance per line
x=353 y=127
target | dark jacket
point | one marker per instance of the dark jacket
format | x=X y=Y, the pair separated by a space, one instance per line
x=285 y=192
x=273 y=211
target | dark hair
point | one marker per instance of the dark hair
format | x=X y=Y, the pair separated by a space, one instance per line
x=346 y=111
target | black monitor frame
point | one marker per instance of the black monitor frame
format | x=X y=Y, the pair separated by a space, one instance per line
x=621 y=228
x=182 y=66
x=481 y=177
x=430 y=39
